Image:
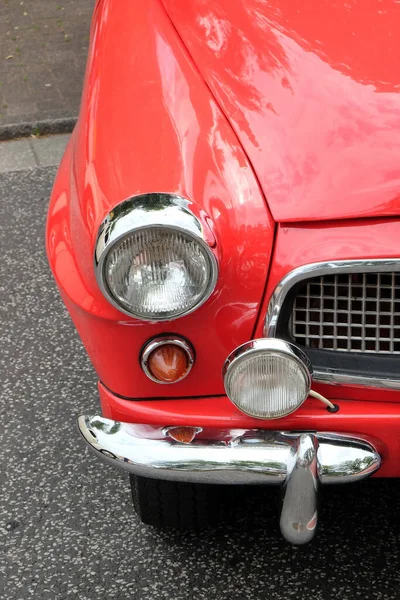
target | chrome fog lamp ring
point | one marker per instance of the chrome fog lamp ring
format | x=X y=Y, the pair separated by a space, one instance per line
x=152 y=248
x=267 y=378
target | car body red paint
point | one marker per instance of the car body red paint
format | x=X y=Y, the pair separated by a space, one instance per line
x=312 y=91
x=280 y=122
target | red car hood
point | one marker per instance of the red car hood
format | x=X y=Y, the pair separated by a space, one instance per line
x=312 y=90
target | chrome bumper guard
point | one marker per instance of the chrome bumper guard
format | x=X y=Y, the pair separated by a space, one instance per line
x=298 y=461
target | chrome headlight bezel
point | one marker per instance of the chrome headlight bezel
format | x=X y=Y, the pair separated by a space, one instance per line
x=150 y=211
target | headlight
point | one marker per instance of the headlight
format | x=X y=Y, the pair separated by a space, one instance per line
x=151 y=258
x=267 y=378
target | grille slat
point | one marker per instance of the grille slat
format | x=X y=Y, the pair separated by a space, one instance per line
x=356 y=312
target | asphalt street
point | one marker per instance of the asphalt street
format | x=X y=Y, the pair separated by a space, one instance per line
x=66 y=524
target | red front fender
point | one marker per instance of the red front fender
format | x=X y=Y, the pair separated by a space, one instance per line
x=149 y=123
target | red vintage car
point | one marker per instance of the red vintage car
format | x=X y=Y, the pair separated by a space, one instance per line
x=224 y=231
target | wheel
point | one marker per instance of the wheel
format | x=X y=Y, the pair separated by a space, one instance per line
x=173 y=504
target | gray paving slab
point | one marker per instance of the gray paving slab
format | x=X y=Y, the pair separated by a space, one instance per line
x=49 y=150
x=67 y=530
x=16 y=155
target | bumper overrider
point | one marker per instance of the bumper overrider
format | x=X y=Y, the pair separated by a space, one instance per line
x=299 y=462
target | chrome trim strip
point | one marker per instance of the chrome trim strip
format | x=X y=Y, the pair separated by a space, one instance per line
x=299 y=512
x=236 y=456
x=336 y=378
x=162 y=340
x=273 y=346
x=325 y=268
x=156 y=209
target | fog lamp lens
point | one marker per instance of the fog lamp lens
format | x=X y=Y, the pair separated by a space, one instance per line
x=267 y=378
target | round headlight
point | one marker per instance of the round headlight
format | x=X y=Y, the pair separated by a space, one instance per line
x=152 y=260
x=267 y=378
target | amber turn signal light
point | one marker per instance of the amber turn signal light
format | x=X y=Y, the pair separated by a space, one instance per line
x=167 y=359
x=168 y=363
x=184 y=435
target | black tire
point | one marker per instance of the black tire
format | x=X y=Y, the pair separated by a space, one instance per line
x=173 y=504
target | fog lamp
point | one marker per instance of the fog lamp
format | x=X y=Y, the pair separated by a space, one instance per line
x=267 y=378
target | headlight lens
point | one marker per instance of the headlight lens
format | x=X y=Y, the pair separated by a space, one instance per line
x=153 y=262
x=158 y=273
x=267 y=378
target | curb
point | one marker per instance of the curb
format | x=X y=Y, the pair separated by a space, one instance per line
x=45 y=127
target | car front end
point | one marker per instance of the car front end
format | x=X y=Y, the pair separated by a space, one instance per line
x=244 y=325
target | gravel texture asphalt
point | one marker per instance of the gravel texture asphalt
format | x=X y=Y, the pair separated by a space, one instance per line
x=66 y=524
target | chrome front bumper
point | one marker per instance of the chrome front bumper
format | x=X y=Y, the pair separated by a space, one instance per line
x=298 y=461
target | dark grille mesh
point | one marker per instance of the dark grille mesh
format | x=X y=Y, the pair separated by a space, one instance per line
x=349 y=313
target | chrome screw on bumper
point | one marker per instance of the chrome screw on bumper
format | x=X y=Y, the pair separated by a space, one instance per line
x=299 y=514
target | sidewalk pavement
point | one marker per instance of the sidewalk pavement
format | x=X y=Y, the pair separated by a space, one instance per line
x=31 y=152
x=43 y=49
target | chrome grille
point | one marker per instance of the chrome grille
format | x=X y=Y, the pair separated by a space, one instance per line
x=357 y=312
